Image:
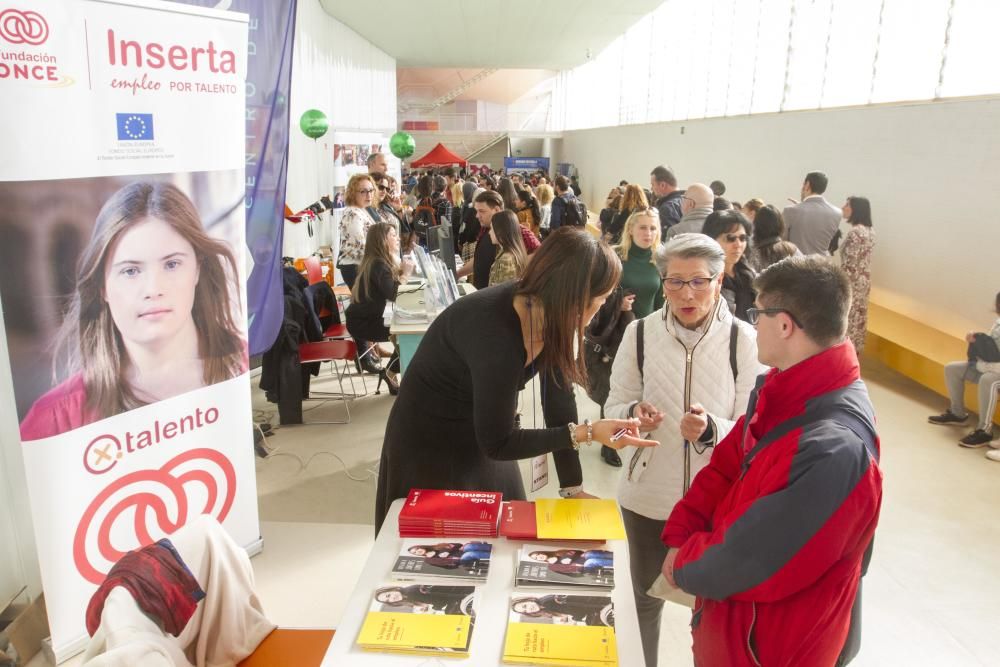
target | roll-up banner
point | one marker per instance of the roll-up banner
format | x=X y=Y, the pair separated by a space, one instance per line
x=122 y=280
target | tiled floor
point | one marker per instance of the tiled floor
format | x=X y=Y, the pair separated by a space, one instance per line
x=932 y=595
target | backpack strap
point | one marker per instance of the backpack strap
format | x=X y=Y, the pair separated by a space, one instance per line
x=640 y=348
x=733 y=337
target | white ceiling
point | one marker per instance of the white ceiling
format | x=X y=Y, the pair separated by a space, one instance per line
x=529 y=34
x=503 y=87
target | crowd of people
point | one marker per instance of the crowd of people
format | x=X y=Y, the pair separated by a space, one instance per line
x=720 y=338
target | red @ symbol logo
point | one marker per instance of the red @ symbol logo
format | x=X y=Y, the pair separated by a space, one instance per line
x=143 y=506
x=19 y=27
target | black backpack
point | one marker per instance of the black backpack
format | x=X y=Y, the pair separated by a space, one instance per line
x=424 y=217
x=575 y=213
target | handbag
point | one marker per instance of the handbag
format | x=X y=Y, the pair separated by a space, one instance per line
x=600 y=344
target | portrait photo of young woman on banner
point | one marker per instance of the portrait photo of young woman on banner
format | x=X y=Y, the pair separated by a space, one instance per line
x=155 y=306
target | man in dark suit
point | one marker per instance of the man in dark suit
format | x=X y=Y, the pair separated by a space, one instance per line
x=813 y=222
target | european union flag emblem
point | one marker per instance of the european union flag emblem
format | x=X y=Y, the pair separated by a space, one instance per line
x=135 y=126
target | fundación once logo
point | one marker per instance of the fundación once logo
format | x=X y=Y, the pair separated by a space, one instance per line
x=23 y=27
x=135 y=126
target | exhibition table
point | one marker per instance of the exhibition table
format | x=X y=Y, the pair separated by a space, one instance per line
x=491 y=619
x=409 y=334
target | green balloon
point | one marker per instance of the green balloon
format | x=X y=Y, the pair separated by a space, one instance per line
x=402 y=145
x=314 y=123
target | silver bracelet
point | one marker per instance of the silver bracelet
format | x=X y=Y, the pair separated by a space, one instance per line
x=572 y=436
x=570 y=491
x=590 y=431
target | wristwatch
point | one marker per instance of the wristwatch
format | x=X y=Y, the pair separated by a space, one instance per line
x=570 y=491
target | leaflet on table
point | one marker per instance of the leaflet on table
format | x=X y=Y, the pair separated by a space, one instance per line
x=561 y=629
x=420 y=618
x=563 y=565
x=404 y=316
x=572 y=519
x=517 y=522
x=443 y=562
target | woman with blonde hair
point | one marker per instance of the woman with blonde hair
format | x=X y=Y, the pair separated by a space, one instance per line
x=154 y=314
x=751 y=208
x=638 y=294
x=379 y=277
x=511 y=257
x=545 y=194
x=640 y=279
x=632 y=201
x=354 y=225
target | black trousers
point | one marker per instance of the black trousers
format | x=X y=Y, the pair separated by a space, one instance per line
x=350 y=274
x=646 y=554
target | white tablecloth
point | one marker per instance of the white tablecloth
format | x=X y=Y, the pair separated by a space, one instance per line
x=491 y=619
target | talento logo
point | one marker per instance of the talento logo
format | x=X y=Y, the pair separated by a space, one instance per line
x=105 y=451
x=23 y=27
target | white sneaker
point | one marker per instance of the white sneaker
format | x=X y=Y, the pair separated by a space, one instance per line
x=993 y=455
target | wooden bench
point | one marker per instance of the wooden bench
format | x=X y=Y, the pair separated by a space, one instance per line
x=291 y=647
x=916 y=349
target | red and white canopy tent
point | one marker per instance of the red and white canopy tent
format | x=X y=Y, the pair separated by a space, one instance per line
x=439 y=156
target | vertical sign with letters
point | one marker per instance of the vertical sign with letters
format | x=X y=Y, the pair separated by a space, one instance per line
x=123 y=280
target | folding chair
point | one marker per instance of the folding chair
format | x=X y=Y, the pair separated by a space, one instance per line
x=342 y=350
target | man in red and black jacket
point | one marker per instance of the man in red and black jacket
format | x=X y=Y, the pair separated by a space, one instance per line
x=773 y=535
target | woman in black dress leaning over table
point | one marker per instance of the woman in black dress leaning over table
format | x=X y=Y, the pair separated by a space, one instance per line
x=453 y=424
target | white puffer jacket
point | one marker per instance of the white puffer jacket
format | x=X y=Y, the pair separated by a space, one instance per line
x=652 y=478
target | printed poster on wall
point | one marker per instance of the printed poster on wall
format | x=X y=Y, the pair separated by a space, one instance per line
x=122 y=279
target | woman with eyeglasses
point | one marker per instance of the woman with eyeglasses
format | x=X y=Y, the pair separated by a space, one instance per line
x=387 y=200
x=359 y=216
x=731 y=230
x=691 y=383
x=354 y=225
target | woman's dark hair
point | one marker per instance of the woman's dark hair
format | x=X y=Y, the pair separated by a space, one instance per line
x=506 y=190
x=720 y=222
x=721 y=204
x=528 y=199
x=424 y=186
x=570 y=270
x=768 y=224
x=89 y=340
x=861 y=211
x=768 y=244
x=440 y=183
x=508 y=232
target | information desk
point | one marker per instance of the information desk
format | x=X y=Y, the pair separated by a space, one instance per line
x=491 y=620
x=409 y=334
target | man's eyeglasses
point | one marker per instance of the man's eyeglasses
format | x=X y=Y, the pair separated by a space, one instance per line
x=697 y=284
x=753 y=314
x=733 y=238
